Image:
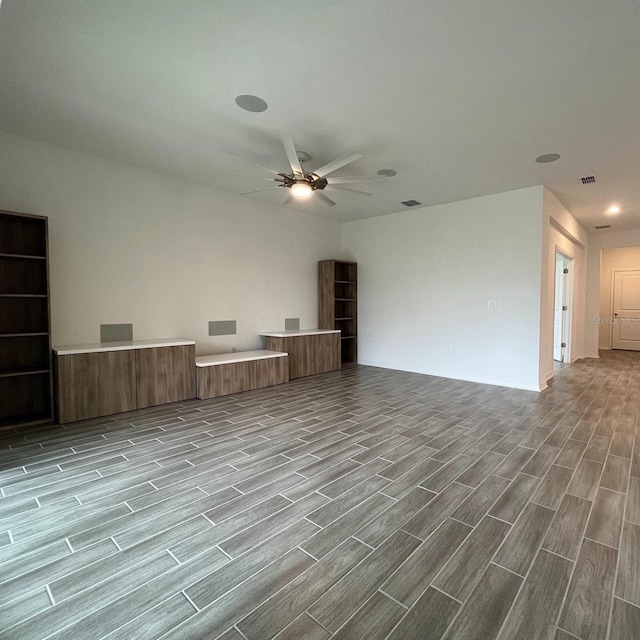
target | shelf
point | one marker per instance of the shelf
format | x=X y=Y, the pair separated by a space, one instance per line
x=21 y=256
x=337 y=303
x=25 y=351
x=21 y=372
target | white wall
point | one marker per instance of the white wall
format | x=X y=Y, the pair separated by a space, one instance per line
x=168 y=256
x=562 y=232
x=597 y=244
x=426 y=277
x=627 y=258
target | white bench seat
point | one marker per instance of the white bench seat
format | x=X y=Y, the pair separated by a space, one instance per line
x=238 y=356
x=225 y=373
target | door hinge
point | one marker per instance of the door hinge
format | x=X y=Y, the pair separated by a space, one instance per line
x=565 y=270
x=563 y=344
x=564 y=307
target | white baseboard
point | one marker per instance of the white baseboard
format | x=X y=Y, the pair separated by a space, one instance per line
x=495 y=383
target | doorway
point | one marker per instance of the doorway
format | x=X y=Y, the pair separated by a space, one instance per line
x=625 y=332
x=561 y=309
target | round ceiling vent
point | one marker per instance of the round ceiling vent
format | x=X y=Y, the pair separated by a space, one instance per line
x=251 y=103
x=548 y=157
x=388 y=173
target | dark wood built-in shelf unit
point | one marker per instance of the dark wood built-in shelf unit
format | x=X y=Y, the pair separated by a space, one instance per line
x=25 y=345
x=338 y=304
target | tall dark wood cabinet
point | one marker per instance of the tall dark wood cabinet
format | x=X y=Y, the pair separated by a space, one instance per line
x=338 y=304
x=25 y=345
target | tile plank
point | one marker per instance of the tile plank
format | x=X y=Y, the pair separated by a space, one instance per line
x=628 y=584
x=476 y=506
x=625 y=621
x=374 y=620
x=567 y=528
x=524 y=539
x=585 y=480
x=515 y=498
x=483 y=614
x=615 y=473
x=277 y=612
x=302 y=627
x=605 y=522
x=534 y=613
x=423 y=565
x=462 y=572
x=337 y=604
x=552 y=488
x=586 y=610
x=428 y=619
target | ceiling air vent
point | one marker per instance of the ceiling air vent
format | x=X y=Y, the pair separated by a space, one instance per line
x=603 y=226
x=410 y=203
x=588 y=180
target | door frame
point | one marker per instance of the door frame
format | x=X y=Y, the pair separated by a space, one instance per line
x=612 y=304
x=567 y=321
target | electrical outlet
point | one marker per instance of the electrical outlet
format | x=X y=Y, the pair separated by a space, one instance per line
x=233 y=349
x=492 y=305
x=453 y=348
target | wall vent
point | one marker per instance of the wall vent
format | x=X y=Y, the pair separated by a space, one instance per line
x=603 y=226
x=410 y=203
x=588 y=180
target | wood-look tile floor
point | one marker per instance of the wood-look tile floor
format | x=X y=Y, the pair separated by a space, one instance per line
x=360 y=504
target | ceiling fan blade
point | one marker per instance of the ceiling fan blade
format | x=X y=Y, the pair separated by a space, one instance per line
x=348 y=179
x=246 y=177
x=336 y=164
x=253 y=162
x=245 y=193
x=292 y=155
x=360 y=193
x=327 y=201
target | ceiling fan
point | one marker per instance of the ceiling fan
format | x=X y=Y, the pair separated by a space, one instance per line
x=302 y=184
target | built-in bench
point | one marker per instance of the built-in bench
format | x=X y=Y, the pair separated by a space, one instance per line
x=226 y=373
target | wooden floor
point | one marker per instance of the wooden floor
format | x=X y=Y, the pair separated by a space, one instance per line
x=363 y=503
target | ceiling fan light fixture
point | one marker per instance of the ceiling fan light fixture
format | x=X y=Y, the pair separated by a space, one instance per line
x=301 y=189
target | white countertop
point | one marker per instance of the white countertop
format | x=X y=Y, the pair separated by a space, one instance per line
x=98 y=347
x=239 y=356
x=299 y=332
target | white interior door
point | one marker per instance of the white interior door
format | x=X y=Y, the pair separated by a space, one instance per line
x=557 y=309
x=626 y=310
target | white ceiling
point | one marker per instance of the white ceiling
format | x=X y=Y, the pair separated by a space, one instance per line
x=458 y=97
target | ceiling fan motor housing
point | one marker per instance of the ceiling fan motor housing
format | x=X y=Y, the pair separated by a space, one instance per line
x=316 y=183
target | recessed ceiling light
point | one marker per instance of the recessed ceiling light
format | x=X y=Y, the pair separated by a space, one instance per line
x=613 y=209
x=548 y=157
x=251 y=103
x=387 y=173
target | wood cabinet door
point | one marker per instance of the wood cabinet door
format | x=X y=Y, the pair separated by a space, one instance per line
x=116 y=375
x=165 y=374
x=301 y=351
x=327 y=352
x=95 y=384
